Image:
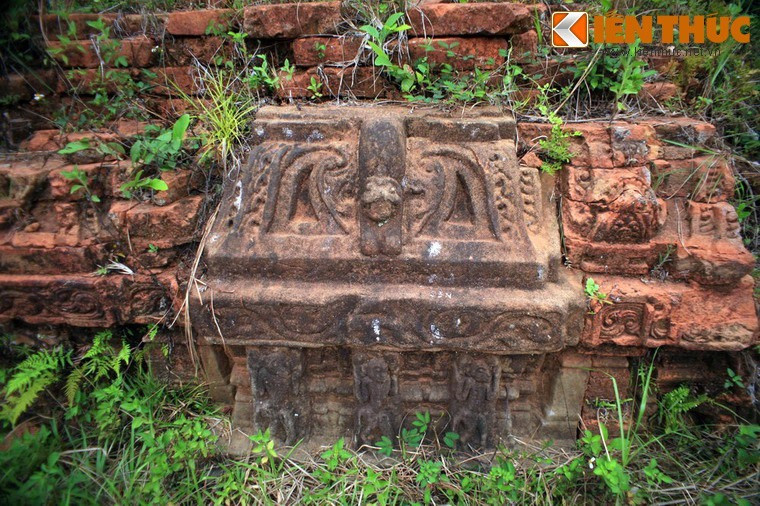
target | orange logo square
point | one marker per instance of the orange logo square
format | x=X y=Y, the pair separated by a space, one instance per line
x=570 y=29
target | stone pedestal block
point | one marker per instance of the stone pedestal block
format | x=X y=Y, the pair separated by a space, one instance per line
x=374 y=262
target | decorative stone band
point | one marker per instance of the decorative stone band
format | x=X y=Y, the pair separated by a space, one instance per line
x=402 y=317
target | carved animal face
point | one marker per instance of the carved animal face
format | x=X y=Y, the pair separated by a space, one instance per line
x=381 y=198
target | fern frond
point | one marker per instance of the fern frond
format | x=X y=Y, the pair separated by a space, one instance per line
x=40 y=364
x=16 y=405
x=73 y=383
x=123 y=356
x=99 y=345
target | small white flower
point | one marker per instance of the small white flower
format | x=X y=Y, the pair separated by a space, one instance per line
x=155 y=49
x=591 y=462
x=38 y=97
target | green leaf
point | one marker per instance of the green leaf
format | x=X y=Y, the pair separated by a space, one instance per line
x=75 y=147
x=371 y=30
x=180 y=127
x=393 y=19
x=158 y=184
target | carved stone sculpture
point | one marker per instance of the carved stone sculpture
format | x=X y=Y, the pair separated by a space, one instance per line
x=375 y=387
x=276 y=383
x=395 y=238
x=474 y=390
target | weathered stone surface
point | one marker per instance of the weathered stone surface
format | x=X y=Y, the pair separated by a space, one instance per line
x=325 y=393
x=23 y=180
x=511 y=233
x=655 y=313
x=29 y=260
x=288 y=21
x=356 y=234
x=614 y=222
x=470 y=19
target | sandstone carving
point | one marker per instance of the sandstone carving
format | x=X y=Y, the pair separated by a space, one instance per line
x=393 y=237
x=475 y=388
x=276 y=383
x=375 y=387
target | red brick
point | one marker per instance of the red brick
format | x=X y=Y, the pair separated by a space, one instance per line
x=15 y=85
x=183 y=52
x=178 y=182
x=28 y=260
x=119 y=24
x=704 y=179
x=592 y=148
x=42 y=140
x=55 y=25
x=288 y=21
x=667 y=313
x=628 y=259
x=336 y=50
x=152 y=24
x=524 y=45
x=138 y=52
x=22 y=180
x=86 y=300
x=470 y=19
x=148 y=297
x=87 y=80
x=197 y=22
x=296 y=85
x=163 y=226
x=710 y=248
x=658 y=94
x=359 y=82
x=60 y=187
x=37 y=240
x=685 y=130
x=83 y=301
x=632 y=144
x=468 y=54
x=169 y=80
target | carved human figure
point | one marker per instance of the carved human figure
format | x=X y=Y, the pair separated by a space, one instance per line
x=375 y=386
x=475 y=389
x=276 y=385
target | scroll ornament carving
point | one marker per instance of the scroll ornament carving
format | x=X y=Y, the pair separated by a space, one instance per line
x=622 y=318
x=284 y=176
